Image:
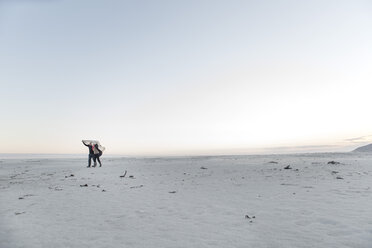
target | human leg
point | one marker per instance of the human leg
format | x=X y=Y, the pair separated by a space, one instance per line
x=99 y=161
x=89 y=160
x=94 y=160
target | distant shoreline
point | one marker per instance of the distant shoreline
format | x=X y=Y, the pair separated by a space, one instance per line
x=83 y=156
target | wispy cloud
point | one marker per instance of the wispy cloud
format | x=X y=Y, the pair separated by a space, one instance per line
x=308 y=148
x=360 y=139
x=26 y=1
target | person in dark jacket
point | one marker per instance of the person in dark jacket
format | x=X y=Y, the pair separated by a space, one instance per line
x=91 y=154
x=97 y=153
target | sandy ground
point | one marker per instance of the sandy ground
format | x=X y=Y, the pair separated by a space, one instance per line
x=229 y=201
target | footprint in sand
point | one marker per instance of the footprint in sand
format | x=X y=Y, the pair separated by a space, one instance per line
x=326 y=221
x=338 y=233
x=303 y=222
x=25 y=196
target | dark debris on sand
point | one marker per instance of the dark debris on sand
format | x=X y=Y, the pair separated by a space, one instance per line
x=333 y=162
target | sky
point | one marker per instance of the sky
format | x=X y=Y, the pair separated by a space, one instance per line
x=185 y=77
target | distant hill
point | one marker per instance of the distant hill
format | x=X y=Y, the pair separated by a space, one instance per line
x=367 y=148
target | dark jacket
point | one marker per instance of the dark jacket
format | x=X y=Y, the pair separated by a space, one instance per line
x=90 y=149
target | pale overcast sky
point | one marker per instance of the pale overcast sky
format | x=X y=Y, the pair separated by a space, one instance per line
x=184 y=77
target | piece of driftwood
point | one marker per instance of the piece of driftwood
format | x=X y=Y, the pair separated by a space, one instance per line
x=136 y=187
x=125 y=173
x=333 y=162
x=248 y=217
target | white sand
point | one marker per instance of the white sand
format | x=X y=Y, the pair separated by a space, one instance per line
x=42 y=205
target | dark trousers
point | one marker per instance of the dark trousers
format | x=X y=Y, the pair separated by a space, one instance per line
x=99 y=161
x=96 y=156
x=91 y=156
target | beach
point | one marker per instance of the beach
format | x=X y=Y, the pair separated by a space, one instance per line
x=296 y=200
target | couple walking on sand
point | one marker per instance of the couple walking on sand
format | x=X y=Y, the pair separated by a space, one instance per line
x=95 y=151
